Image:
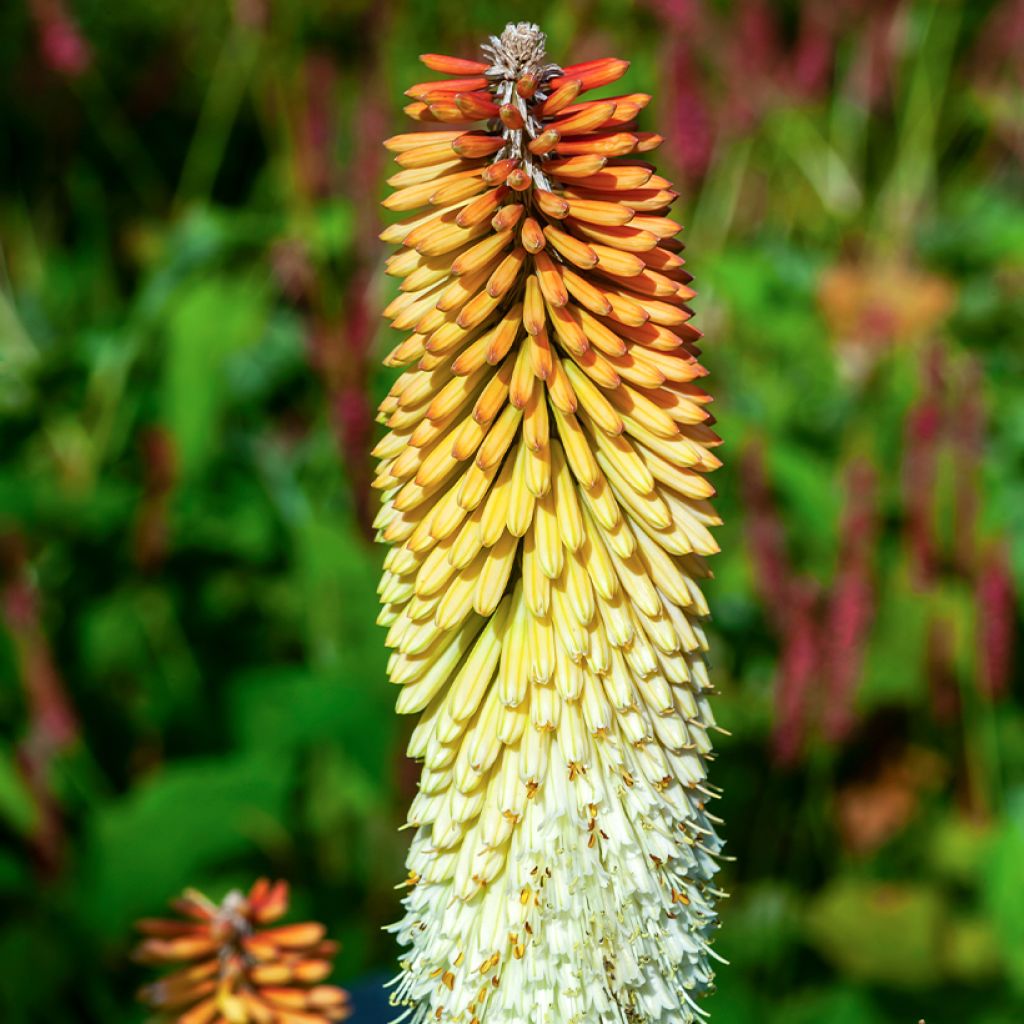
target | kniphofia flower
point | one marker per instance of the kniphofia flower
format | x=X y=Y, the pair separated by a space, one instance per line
x=232 y=969
x=545 y=499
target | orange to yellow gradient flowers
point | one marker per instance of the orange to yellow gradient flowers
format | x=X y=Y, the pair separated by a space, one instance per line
x=231 y=968
x=546 y=502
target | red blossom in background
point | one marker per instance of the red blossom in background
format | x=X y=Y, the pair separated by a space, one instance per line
x=353 y=410
x=941 y=671
x=949 y=417
x=966 y=428
x=159 y=475
x=316 y=128
x=339 y=329
x=788 y=602
x=851 y=610
x=760 y=66
x=876 y=57
x=922 y=437
x=815 y=50
x=691 y=133
x=62 y=45
x=252 y=14
x=53 y=724
x=998 y=72
x=799 y=667
x=766 y=537
x=293 y=270
x=822 y=634
x=996 y=604
x=754 y=53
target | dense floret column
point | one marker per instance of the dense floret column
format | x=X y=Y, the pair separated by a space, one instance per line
x=546 y=503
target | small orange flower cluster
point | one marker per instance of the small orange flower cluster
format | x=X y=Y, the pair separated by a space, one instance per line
x=235 y=971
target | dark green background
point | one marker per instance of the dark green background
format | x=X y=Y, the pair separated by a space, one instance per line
x=192 y=688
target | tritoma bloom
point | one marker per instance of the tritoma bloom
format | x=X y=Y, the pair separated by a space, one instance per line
x=546 y=503
x=232 y=969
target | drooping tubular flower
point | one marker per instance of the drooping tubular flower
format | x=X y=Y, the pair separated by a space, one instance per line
x=545 y=499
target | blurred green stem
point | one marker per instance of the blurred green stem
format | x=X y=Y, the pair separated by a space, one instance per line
x=228 y=85
x=715 y=209
x=914 y=170
x=115 y=131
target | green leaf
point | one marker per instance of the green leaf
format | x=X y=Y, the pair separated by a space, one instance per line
x=971 y=951
x=178 y=825
x=18 y=360
x=1002 y=890
x=958 y=848
x=338 y=576
x=894 y=667
x=829 y=1006
x=343 y=799
x=36 y=967
x=17 y=807
x=761 y=927
x=331 y=229
x=286 y=707
x=733 y=1001
x=811 y=504
x=880 y=932
x=212 y=319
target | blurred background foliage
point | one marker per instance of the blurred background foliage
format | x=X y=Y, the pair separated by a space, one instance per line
x=192 y=690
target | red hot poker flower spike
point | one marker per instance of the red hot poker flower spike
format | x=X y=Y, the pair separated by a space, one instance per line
x=545 y=496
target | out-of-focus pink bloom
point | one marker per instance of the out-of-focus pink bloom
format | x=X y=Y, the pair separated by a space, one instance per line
x=53 y=725
x=999 y=72
x=359 y=330
x=293 y=270
x=996 y=606
x=690 y=119
x=682 y=15
x=353 y=410
x=370 y=123
x=940 y=671
x=758 y=69
x=757 y=35
x=851 y=608
x=815 y=50
x=798 y=671
x=52 y=716
x=159 y=473
x=922 y=436
x=253 y=14
x=966 y=428
x=766 y=538
x=337 y=347
x=359 y=319
x=63 y=47
x=791 y=605
x=875 y=63
x=753 y=57
x=691 y=132
x=338 y=341
x=315 y=154
x=353 y=414
x=1001 y=41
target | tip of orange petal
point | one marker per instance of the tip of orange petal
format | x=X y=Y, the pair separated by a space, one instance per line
x=452 y=65
x=295 y=935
